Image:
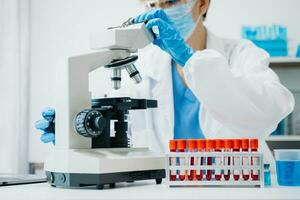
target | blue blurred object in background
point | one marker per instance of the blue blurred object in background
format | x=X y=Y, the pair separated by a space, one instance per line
x=288 y=172
x=287 y=166
x=281 y=128
x=298 y=52
x=271 y=38
x=267 y=175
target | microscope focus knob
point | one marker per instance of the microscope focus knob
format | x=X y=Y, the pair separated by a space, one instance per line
x=89 y=123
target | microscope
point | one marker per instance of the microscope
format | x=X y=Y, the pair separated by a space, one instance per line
x=86 y=153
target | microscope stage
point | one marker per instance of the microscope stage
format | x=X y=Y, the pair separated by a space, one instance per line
x=83 y=167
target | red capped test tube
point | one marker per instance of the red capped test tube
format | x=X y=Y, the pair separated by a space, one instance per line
x=209 y=147
x=237 y=143
x=191 y=148
x=254 y=159
x=228 y=144
x=219 y=145
x=245 y=159
x=201 y=148
x=181 y=147
x=173 y=148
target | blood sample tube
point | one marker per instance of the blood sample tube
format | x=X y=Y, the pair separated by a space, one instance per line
x=218 y=160
x=191 y=148
x=236 y=159
x=181 y=147
x=245 y=159
x=173 y=148
x=209 y=147
x=201 y=148
x=228 y=144
x=254 y=159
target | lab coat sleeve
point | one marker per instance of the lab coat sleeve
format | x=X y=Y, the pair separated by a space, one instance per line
x=244 y=95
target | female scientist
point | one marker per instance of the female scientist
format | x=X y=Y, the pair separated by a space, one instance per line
x=206 y=86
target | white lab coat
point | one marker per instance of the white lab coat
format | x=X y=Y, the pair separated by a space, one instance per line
x=240 y=95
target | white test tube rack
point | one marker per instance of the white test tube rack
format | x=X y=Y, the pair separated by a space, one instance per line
x=221 y=168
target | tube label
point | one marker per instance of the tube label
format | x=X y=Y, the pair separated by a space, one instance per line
x=245 y=163
x=227 y=163
x=218 y=162
x=255 y=162
x=198 y=162
x=236 y=162
x=182 y=162
x=173 y=163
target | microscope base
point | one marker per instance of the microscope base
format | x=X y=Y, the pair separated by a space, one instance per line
x=75 y=168
x=71 y=180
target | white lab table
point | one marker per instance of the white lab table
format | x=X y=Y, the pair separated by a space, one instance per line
x=146 y=190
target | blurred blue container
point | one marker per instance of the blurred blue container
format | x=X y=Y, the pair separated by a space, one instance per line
x=298 y=52
x=288 y=167
x=272 y=38
x=274 y=47
x=267 y=175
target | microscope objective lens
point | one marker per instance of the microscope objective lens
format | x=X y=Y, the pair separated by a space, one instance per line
x=116 y=78
x=134 y=73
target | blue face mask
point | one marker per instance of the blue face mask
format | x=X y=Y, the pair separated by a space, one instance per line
x=181 y=17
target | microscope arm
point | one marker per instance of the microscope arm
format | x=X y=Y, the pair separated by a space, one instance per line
x=113 y=44
x=99 y=59
x=131 y=38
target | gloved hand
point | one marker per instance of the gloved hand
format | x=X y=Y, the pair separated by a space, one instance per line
x=167 y=37
x=47 y=125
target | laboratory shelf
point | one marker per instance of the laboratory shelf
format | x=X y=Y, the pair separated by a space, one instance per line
x=283 y=142
x=287 y=138
x=284 y=62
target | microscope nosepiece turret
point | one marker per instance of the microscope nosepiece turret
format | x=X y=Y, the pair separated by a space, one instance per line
x=118 y=65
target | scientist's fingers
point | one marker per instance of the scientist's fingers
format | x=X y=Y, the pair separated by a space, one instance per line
x=48 y=137
x=156 y=13
x=48 y=113
x=159 y=27
x=42 y=124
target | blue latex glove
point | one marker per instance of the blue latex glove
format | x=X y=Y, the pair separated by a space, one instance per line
x=167 y=37
x=47 y=125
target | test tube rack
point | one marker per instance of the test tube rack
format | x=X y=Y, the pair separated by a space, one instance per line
x=220 y=168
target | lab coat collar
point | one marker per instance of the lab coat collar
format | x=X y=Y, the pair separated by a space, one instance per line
x=214 y=42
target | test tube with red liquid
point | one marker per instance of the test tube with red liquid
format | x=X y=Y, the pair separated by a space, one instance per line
x=245 y=159
x=181 y=147
x=173 y=148
x=191 y=148
x=218 y=159
x=254 y=159
x=236 y=159
x=228 y=145
x=201 y=148
x=209 y=147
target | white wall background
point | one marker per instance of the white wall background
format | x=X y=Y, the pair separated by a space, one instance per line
x=60 y=28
